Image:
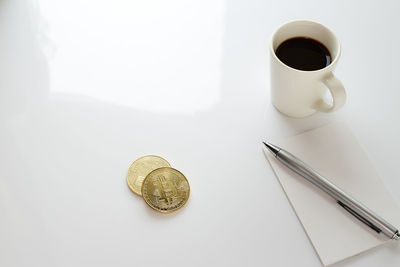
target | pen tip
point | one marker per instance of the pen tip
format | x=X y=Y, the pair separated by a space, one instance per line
x=396 y=236
x=272 y=148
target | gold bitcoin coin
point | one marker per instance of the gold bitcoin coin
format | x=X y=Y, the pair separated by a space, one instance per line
x=140 y=168
x=165 y=190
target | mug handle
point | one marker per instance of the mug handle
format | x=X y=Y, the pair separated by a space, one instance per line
x=337 y=91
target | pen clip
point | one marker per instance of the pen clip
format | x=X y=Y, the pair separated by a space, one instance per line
x=355 y=214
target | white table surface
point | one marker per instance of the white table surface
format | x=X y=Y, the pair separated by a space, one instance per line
x=86 y=87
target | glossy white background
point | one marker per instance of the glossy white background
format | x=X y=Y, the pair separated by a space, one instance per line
x=86 y=87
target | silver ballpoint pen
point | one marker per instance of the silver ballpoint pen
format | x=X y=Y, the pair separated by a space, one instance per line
x=353 y=206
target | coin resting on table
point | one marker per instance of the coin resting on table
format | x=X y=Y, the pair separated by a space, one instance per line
x=163 y=188
x=140 y=168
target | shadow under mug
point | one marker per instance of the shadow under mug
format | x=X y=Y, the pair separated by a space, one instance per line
x=299 y=93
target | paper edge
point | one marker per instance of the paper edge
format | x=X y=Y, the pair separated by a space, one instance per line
x=291 y=205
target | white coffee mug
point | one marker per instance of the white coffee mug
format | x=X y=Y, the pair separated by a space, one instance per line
x=299 y=93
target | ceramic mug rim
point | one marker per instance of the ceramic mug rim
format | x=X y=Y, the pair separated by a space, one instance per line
x=271 y=46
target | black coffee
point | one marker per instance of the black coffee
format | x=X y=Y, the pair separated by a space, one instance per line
x=303 y=54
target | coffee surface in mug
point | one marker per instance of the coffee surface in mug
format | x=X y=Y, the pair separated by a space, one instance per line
x=303 y=53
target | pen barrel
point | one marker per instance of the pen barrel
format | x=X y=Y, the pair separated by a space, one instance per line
x=336 y=193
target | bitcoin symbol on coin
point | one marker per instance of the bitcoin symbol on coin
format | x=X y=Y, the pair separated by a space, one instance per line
x=165 y=189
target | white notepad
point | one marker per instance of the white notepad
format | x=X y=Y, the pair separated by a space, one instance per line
x=335 y=153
